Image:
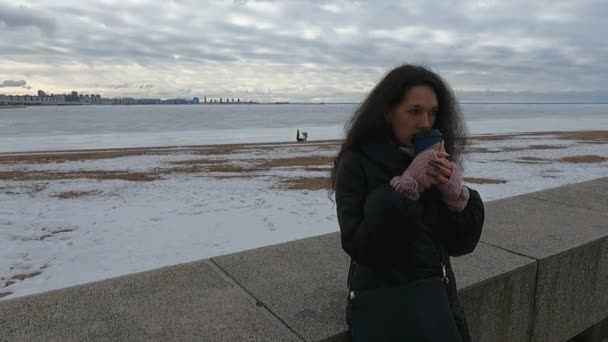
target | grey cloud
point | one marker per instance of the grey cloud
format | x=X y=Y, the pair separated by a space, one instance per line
x=517 y=46
x=21 y=16
x=121 y=86
x=14 y=84
x=530 y=96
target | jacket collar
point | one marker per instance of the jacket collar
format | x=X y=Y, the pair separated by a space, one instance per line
x=387 y=154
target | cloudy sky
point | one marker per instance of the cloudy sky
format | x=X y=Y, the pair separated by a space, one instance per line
x=304 y=50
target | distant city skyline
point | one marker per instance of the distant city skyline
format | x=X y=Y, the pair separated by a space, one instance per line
x=304 y=51
x=75 y=93
x=74 y=98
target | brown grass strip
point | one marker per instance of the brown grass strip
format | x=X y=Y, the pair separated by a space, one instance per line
x=533 y=147
x=581 y=136
x=219 y=150
x=513 y=149
x=583 y=159
x=98 y=175
x=51 y=158
x=232 y=168
x=305 y=183
x=76 y=194
x=200 y=162
x=484 y=180
x=20 y=277
x=480 y=150
x=186 y=169
x=546 y=147
x=235 y=176
x=66 y=230
x=533 y=158
x=317 y=169
x=494 y=137
x=586 y=136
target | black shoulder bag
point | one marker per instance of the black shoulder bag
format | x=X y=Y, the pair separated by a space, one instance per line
x=416 y=311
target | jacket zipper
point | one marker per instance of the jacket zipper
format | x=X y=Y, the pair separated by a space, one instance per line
x=444 y=274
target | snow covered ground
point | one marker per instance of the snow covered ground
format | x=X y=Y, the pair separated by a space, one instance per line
x=72 y=218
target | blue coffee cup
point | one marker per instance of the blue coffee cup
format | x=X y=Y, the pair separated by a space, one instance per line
x=426 y=139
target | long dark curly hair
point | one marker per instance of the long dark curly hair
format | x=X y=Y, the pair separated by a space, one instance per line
x=369 y=122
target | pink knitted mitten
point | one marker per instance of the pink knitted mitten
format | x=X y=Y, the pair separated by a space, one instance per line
x=414 y=180
x=453 y=193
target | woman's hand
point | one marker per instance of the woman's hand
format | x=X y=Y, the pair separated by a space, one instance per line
x=416 y=179
x=440 y=170
x=449 y=178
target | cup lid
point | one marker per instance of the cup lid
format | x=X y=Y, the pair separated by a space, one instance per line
x=428 y=132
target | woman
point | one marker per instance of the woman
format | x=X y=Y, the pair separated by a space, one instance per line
x=402 y=213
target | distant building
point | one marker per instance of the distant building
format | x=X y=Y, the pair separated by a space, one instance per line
x=175 y=101
x=58 y=99
x=30 y=100
x=205 y=99
x=72 y=97
x=221 y=100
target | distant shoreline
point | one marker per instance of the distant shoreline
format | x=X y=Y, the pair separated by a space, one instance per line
x=292 y=103
x=461 y=102
x=537 y=103
x=11 y=107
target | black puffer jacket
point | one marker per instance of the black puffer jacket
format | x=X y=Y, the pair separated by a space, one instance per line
x=391 y=238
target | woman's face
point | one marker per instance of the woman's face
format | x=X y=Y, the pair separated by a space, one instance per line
x=416 y=113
